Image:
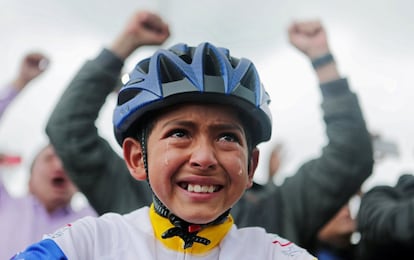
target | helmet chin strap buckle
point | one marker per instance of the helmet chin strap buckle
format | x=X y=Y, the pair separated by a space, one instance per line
x=189 y=238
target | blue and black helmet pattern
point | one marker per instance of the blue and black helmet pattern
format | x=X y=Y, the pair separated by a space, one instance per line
x=202 y=74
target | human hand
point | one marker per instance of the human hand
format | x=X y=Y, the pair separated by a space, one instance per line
x=144 y=28
x=309 y=37
x=32 y=65
x=339 y=229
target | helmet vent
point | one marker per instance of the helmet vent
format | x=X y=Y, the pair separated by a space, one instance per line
x=127 y=94
x=212 y=65
x=169 y=71
x=143 y=66
x=234 y=62
x=249 y=79
x=186 y=58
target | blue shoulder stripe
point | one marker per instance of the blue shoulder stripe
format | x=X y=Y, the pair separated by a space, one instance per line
x=46 y=249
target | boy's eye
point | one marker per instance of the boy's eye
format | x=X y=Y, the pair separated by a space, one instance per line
x=229 y=137
x=178 y=133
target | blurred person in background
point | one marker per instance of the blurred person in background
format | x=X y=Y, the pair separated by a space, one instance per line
x=386 y=214
x=259 y=190
x=299 y=207
x=334 y=239
x=385 y=221
x=25 y=219
x=340 y=238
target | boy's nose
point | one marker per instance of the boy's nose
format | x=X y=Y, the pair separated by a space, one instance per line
x=203 y=157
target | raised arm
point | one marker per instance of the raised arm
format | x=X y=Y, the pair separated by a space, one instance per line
x=92 y=163
x=32 y=65
x=299 y=207
x=325 y=184
x=310 y=38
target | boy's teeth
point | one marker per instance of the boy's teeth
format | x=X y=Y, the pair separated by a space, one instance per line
x=200 y=188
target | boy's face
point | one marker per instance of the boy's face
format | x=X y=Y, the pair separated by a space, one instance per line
x=197 y=160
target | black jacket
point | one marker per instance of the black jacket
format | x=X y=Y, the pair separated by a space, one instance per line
x=386 y=221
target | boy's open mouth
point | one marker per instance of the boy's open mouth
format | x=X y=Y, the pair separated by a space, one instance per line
x=197 y=188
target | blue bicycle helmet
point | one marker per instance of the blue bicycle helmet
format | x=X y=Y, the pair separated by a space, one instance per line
x=202 y=74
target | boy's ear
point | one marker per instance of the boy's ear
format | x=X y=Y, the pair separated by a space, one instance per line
x=254 y=161
x=134 y=159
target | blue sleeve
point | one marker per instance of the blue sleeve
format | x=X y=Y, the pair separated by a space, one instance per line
x=46 y=249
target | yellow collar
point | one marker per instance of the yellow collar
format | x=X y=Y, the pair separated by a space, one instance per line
x=214 y=233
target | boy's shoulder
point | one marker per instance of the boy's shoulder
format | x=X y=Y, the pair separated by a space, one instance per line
x=266 y=245
x=111 y=222
x=108 y=232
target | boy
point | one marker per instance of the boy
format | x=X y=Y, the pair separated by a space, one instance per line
x=296 y=209
x=189 y=121
x=47 y=205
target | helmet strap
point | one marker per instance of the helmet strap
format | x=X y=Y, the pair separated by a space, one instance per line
x=143 y=137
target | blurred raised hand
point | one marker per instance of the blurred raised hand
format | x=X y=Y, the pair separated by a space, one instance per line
x=32 y=65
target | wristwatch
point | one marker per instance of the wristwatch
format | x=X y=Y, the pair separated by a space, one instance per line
x=322 y=60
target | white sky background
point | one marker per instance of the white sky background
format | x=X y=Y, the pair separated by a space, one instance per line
x=371 y=40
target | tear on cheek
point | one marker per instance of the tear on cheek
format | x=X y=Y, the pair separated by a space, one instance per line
x=166 y=158
x=241 y=167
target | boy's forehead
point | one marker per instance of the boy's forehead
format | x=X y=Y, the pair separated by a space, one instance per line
x=214 y=116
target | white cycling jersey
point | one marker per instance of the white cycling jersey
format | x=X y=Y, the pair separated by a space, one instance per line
x=134 y=236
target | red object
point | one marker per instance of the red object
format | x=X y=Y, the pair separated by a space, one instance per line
x=194 y=228
x=11 y=160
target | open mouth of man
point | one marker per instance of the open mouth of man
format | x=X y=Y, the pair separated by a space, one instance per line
x=58 y=182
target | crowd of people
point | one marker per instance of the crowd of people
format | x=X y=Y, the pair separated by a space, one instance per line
x=189 y=121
